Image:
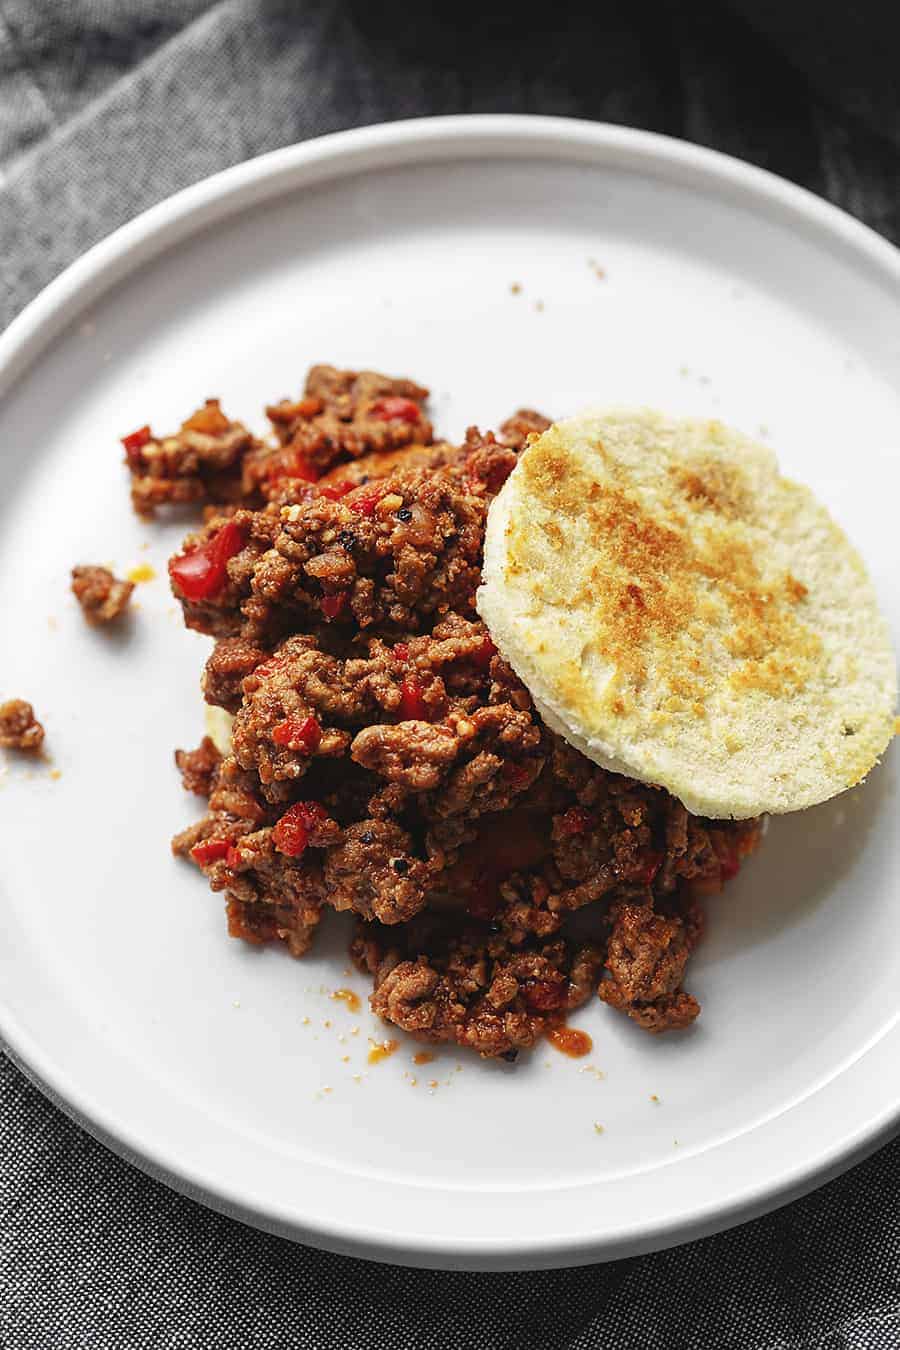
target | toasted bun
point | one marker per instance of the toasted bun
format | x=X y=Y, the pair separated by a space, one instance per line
x=684 y=615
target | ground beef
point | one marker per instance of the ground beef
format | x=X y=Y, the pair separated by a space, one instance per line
x=19 y=728
x=200 y=462
x=387 y=760
x=477 y=991
x=102 y=598
x=198 y=767
x=515 y=431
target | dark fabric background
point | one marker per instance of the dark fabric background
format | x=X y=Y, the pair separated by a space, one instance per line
x=105 y=107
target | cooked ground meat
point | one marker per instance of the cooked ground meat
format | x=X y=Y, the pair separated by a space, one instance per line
x=515 y=431
x=19 y=728
x=198 y=767
x=101 y=596
x=200 y=462
x=386 y=759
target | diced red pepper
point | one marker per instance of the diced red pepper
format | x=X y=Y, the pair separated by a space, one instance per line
x=401 y=651
x=646 y=873
x=209 y=851
x=291 y=834
x=412 y=704
x=201 y=574
x=298 y=733
x=575 y=821
x=233 y=857
x=333 y=606
x=290 y=464
x=484 y=654
x=267 y=668
x=518 y=775
x=134 y=444
x=544 y=995
x=395 y=409
x=486 y=899
x=365 y=505
x=335 y=491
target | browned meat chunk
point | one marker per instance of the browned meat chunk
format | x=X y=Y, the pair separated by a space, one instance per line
x=475 y=991
x=232 y=660
x=102 y=598
x=19 y=728
x=200 y=462
x=645 y=960
x=198 y=767
x=515 y=431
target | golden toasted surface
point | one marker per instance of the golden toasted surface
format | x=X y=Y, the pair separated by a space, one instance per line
x=685 y=615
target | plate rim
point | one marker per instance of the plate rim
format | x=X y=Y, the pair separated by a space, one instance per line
x=330 y=158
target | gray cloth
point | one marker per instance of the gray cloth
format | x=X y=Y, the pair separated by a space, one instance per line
x=105 y=107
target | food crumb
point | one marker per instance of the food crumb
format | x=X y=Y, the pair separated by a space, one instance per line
x=433 y=1083
x=304 y=1021
x=347 y=996
x=52 y=623
x=654 y=1099
x=56 y=774
x=592 y=1069
x=539 y=306
x=236 y=1003
x=598 y=1128
x=423 y=1057
x=515 y=288
x=327 y=1024
x=19 y=728
x=354 y=1031
x=357 y=1078
x=345 y=1059
x=142 y=572
x=379 y=1050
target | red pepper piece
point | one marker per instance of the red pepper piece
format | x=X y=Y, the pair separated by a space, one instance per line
x=517 y=775
x=201 y=574
x=134 y=444
x=291 y=834
x=575 y=821
x=412 y=704
x=290 y=464
x=335 y=491
x=646 y=873
x=233 y=857
x=483 y=656
x=401 y=651
x=365 y=504
x=544 y=995
x=209 y=851
x=395 y=409
x=486 y=900
x=268 y=667
x=298 y=733
x=333 y=606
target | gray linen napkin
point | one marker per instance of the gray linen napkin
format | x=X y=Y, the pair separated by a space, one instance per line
x=106 y=106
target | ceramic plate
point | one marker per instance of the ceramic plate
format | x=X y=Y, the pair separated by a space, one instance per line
x=500 y=261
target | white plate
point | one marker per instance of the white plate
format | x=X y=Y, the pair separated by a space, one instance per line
x=222 y=1069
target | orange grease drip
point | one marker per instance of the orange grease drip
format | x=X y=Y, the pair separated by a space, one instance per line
x=423 y=1057
x=570 y=1041
x=381 y=1050
x=347 y=996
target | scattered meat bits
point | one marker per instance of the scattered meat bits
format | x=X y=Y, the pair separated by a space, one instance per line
x=19 y=728
x=385 y=758
x=101 y=596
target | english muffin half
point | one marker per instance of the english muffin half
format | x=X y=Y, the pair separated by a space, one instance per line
x=684 y=615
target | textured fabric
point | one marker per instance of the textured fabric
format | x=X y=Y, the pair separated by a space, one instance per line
x=105 y=107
